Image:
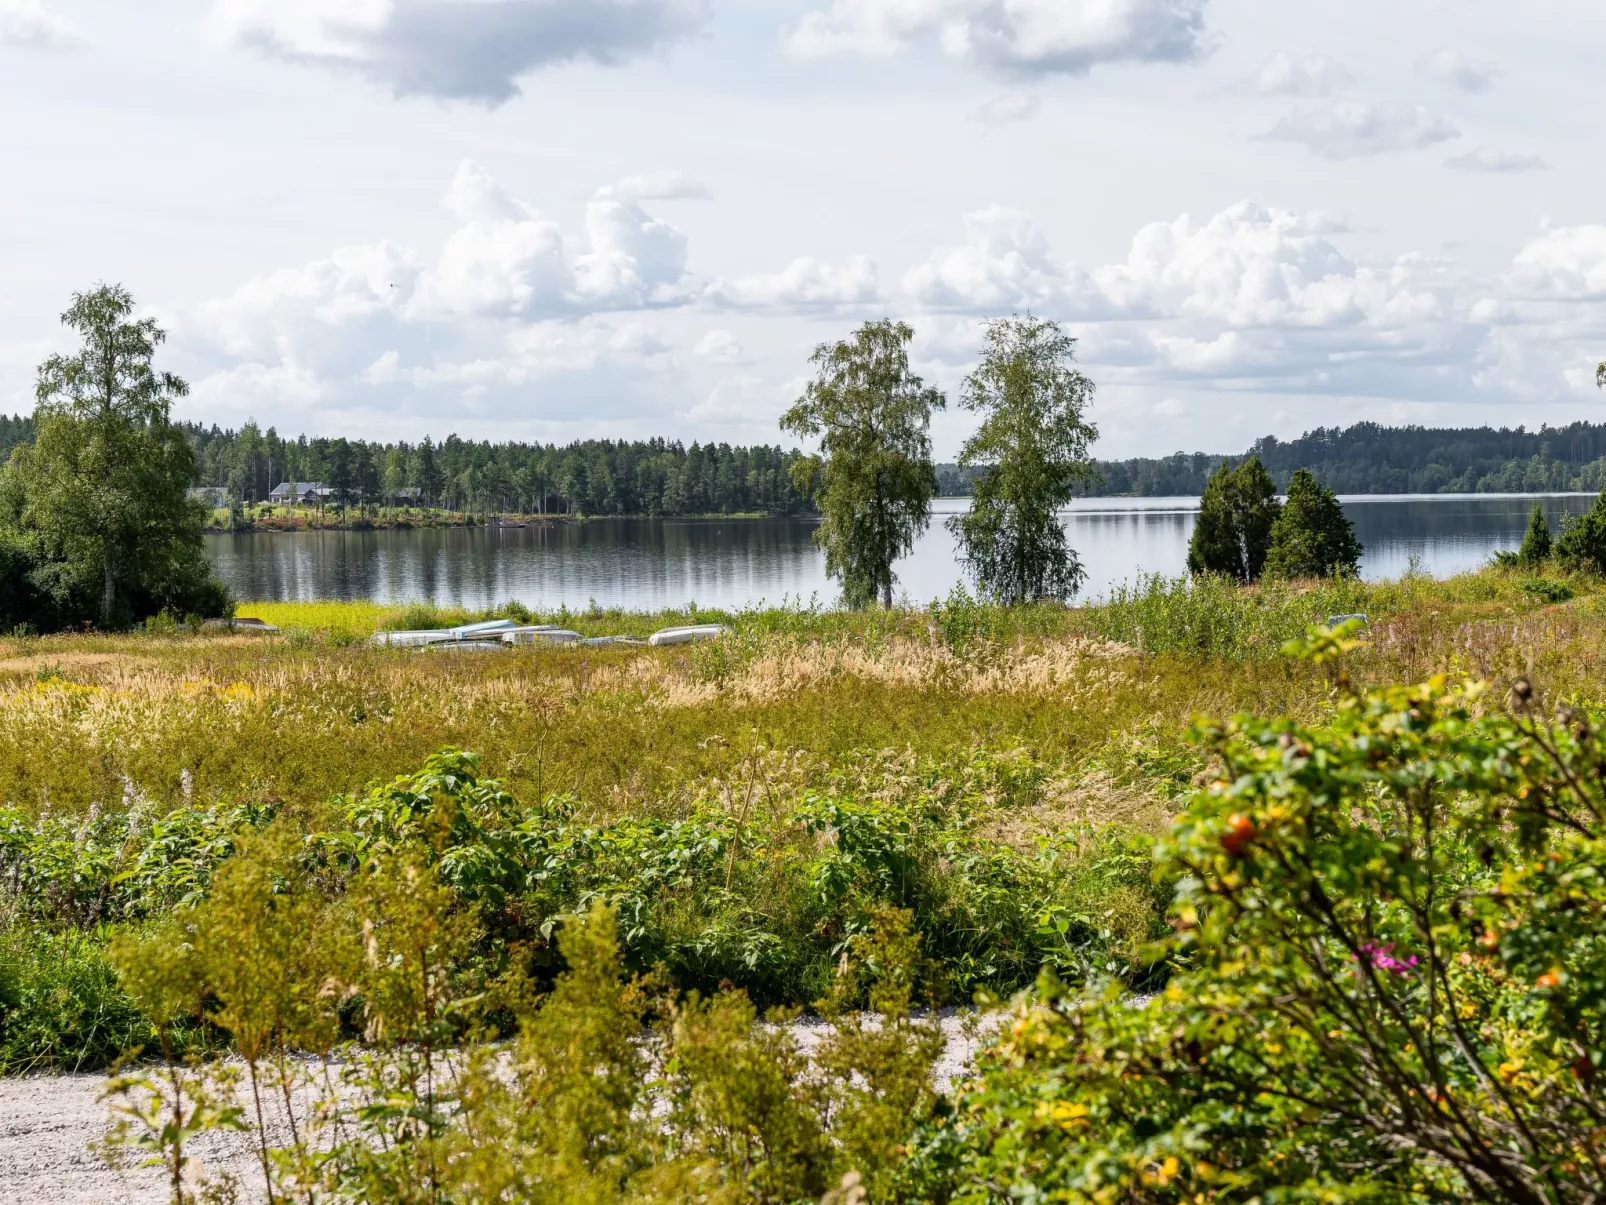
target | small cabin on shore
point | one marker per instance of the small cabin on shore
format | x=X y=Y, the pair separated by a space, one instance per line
x=300 y=491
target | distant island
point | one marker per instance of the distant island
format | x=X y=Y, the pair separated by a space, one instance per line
x=669 y=478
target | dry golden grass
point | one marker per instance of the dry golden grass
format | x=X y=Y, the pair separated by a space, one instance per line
x=300 y=718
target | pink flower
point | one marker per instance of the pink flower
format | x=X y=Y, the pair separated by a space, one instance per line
x=1381 y=956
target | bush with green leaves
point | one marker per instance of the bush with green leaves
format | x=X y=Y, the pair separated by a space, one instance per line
x=765 y=897
x=611 y=1090
x=1391 y=981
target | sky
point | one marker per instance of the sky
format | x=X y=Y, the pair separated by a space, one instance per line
x=559 y=219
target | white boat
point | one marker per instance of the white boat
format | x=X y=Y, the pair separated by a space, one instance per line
x=489 y=629
x=701 y=631
x=540 y=634
x=414 y=640
x=473 y=631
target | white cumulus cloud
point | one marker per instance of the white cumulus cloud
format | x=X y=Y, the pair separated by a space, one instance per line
x=1458 y=70
x=1347 y=129
x=472 y=50
x=29 y=24
x=1026 y=36
x=657 y=186
x=1003 y=263
x=805 y=283
x=1565 y=264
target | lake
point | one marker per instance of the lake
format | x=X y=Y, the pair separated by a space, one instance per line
x=653 y=564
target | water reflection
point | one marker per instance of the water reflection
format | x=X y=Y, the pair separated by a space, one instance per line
x=659 y=563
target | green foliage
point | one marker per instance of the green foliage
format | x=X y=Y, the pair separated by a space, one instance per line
x=1390 y=987
x=587 y=1105
x=1033 y=443
x=1236 y=516
x=874 y=482
x=107 y=867
x=1545 y=589
x=1583 y=541
x=1210 y=616
x=99 y=497
x=1311 y=536
x=60 y=1005
x=1536 y=543
x=765 y=901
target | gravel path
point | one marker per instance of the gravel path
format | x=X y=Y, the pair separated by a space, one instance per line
x=48 y=1123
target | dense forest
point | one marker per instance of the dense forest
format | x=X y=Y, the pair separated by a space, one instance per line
x=593 y=477
x=663 y=477
x=14 y=431
x=1372 y=459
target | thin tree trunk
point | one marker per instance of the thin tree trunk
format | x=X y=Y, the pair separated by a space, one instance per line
x=108 y=587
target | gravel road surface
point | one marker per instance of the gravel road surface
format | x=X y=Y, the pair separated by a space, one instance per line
x=49 y=1123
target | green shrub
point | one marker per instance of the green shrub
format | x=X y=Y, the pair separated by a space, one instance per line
x=765 y=901
x=1392 y=983
x=1546 y=590
x=61 y=1008
x=1212 y=616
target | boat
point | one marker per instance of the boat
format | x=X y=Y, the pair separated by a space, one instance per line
x=687 y=635
x=240 y=623
x=491 y=628
x=544 y=633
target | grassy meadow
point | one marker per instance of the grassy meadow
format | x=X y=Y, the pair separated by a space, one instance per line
x=744 y=805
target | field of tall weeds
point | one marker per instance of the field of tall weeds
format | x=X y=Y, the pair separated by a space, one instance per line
x=745 y=809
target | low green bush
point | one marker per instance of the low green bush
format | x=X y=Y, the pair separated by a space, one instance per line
x=1391 y=987
x=767 y=896
x=61 y=1008
x=1211 y=615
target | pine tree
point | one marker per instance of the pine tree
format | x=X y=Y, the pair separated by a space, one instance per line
x=1312 y=536
x=1236 y=515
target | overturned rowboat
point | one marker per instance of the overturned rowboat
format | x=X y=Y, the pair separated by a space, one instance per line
x=541 y=633
x=490 y=629
x=687 y=635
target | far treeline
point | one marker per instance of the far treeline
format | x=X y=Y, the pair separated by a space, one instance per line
x=667 y=477
x=1369 y=458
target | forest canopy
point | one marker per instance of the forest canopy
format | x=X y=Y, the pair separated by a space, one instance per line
x=667 y=477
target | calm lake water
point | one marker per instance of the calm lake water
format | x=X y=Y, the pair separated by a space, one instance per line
x=651 y=564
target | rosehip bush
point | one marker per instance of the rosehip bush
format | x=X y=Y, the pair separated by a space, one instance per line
x=1390 y=981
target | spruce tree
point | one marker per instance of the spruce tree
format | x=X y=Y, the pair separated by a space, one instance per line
x=1312 y=536
x=1536 y=543
x=1236 y=515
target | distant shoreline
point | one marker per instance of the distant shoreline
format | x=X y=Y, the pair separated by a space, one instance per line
x=220 y=524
